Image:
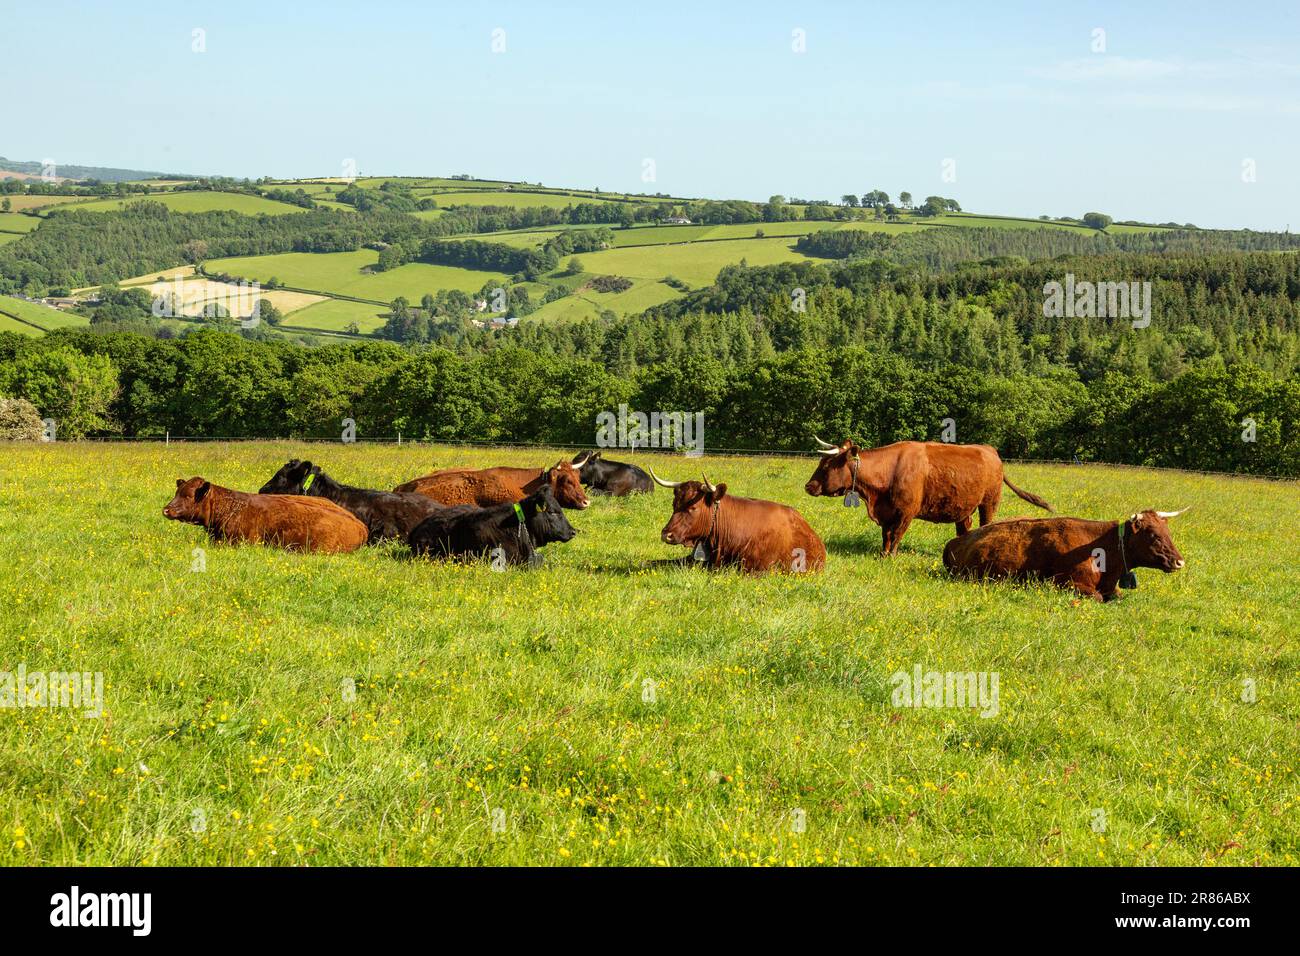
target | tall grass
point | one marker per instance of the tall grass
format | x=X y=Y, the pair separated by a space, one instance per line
x=605 y=710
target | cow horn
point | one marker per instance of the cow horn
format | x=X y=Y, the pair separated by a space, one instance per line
x=579 y=464
x=665 y=484
x=825 y=444
x=1171 y=514
x=708 y=487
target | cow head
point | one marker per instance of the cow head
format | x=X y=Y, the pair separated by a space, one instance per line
x=289 y=479
x=693 y=503
x=564 y=480
x=545 y=518
x=585 y=462
x=187 y=505
x=834 y=475
x=1147 y=543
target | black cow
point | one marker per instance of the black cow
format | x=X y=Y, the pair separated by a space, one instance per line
x=386 y=514
x=517 y=529
x=610 y=477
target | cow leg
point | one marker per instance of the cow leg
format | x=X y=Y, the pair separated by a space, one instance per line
x=963 y=525
x=894 y=534
x=987 y=512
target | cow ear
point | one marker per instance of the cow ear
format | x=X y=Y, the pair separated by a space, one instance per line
x=595 y=455
x=202 y=491
x=719 y=492
x=1136 y=520
x=179 y=482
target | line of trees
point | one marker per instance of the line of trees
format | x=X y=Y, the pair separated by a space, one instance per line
x=217 y=384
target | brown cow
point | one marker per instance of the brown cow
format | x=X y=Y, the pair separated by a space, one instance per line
x=499 y=486
x=289 y=521
x=1093 y=557
x=757 y=535
x=932 y=481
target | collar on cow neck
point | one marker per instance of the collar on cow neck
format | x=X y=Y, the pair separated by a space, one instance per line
x=713 y=522
x=853 y=475
x=1121 y=529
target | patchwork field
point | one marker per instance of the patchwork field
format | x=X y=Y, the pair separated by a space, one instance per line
x=192 y=294
x=694 y=263
x=341 y=273
x=587 y=303
x=278 y=709
x=13 y=325
x=20 y=203
x=191 y=201
x=16 y=222
x=335 y=315
x=518 y=200
x=41 y=316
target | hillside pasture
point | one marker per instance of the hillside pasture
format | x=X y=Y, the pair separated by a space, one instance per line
x=16 y=222
x=517 y=200
x=23 y=203
x=694 y=263
x=269 y=708
x=195 y=201
x=41 y=316
x=335 y=315
x=341 y=273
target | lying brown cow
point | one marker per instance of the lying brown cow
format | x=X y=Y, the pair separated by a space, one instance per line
x=1093 y=557
x=929 y=480
x=288 y=521
x=757 y=535
x=499 y=486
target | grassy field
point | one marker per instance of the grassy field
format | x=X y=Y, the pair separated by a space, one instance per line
x=602 y=709
x=695 y=263
x=39 y=315
x=13 y=325
x=521 y=200
x=16 y=222
x=193 y=201
x=341 y=273
x=334 y=315
x=21 y=203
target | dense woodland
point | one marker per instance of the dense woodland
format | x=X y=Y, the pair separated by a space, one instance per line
x=882 y=342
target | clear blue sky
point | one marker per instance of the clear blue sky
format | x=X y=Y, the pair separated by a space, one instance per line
x=1157 y=127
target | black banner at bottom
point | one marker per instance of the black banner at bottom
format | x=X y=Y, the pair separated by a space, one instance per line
x=337 y=905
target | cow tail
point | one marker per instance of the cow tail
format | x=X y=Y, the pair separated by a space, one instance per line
x=1027 y=496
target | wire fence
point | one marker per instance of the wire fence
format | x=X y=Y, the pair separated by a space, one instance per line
x=400 y=441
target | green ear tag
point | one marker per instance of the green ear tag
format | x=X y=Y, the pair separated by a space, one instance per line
x=519 y=513
x=307 y=481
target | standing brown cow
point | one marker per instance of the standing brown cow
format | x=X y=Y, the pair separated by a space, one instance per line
x=757 y=535
x=929 y=480
x=1093 y=557
x=289 y=521
x=499 y=486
